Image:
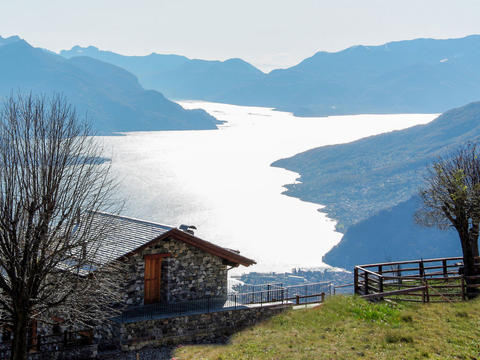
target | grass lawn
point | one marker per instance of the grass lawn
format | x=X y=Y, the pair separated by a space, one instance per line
x=347 y=327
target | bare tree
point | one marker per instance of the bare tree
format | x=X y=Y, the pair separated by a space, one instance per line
x=51 y=184
x=451 y=197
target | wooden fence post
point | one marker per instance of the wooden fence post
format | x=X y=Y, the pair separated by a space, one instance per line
x=380 y=284
x=399 y=275
x=297 y=300
x=421 y=269
x=366 y=282
x=355 y=280
x=426 y=290
x=444 y=265
x=464 y=295
x=323 y=296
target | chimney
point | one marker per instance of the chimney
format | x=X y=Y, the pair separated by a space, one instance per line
x=187 y=228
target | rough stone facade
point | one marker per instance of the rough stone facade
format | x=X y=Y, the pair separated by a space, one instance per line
x=80 y=353
x=188 y=274
x=207 y=327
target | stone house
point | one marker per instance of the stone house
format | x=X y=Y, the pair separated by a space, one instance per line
x=166 y=264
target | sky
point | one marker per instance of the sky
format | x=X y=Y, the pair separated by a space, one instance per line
x=267 y=33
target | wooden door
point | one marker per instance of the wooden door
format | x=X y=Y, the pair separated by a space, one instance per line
x=153 y=276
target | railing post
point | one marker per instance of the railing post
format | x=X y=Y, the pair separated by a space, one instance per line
x=380 y=269
x=421 y=269
x=323 y=296
x=366 y=282
x=297 y=300
x=355 y=280
x=426 y=290
x=399 y=275
x=380 y=284
x=444 y=264
x=268 y=293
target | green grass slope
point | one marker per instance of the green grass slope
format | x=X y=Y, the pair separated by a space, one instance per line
x=351 y=328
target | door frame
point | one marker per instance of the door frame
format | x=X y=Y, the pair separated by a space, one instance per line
x=145 y=259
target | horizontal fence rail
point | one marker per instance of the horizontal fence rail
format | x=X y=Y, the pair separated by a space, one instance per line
x=430 y=280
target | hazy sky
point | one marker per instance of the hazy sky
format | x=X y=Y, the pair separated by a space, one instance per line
x=267 y=33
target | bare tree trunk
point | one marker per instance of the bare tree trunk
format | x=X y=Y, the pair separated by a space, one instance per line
x=52 y=187
x=19 y=342
x=470 y=253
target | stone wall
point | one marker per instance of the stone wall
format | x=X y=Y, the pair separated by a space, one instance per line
x=80 y=353
x=188 y=274
x=207 y=327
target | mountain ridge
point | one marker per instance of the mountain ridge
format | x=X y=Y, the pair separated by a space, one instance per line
x=113 y=97
x=410 y=76
x=370 y=186
x=175 y=75
x=355 y=180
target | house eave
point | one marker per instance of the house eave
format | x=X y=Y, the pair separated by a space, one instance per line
x=233 y=259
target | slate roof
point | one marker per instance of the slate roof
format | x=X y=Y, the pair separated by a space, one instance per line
x=126 y=235
x=129 y=235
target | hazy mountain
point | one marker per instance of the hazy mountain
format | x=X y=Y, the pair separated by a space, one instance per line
x=112 y=97
x=414 y=76
x=392 y=235
x=358 y=179
x=370 y=186
x=177 y=76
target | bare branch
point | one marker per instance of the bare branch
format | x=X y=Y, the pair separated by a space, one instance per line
x=51 y=185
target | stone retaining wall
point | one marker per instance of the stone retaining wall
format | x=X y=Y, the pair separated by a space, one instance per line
x=78 y=353
x=193 y=328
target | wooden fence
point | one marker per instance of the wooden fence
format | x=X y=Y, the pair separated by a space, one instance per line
x=430 y=280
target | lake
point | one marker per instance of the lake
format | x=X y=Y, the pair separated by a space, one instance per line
x=221 y=180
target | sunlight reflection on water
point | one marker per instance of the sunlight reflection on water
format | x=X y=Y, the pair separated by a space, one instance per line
x=222 y=182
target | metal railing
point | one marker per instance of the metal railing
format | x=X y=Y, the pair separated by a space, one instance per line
x=264 y=295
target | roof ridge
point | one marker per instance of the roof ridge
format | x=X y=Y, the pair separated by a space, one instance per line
x=136 y=220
